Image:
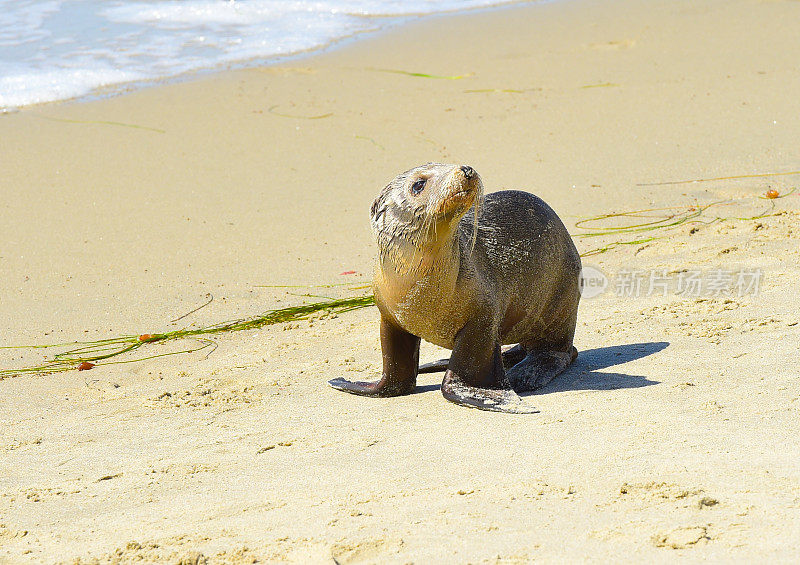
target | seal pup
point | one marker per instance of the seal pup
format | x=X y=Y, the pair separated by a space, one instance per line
x=471 y=273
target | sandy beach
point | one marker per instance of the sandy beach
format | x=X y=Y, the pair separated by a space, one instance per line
x=674 y=435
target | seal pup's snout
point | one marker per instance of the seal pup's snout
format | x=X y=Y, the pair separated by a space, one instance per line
x=455 y=192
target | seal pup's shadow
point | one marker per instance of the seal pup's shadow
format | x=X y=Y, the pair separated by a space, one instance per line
x=583 y=373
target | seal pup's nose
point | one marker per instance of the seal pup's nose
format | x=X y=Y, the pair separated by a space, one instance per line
x=468 y=171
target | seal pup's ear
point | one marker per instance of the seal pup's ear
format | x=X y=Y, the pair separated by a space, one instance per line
x=378 y=206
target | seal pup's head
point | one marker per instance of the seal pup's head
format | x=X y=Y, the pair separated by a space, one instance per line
x=416 y=215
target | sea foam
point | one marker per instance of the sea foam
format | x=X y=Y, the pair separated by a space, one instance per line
x=54 y=50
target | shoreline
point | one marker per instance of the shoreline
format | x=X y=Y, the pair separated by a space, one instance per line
x=671 y=435
x=122 y=88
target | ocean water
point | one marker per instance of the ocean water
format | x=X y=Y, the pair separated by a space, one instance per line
x=60 y=49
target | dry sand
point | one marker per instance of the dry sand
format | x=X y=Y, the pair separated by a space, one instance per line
x=674 y=435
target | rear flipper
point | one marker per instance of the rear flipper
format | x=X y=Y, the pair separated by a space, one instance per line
x=511 y=354
x=538 y=368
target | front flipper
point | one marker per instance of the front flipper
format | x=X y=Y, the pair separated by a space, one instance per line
x=366 y=388
x=400 y=359
x=475 y=376
x=494 y=400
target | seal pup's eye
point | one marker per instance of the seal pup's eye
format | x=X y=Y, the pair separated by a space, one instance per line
x=418 y=186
